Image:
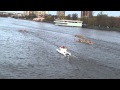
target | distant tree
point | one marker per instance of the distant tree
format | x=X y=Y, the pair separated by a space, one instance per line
x=84 y=19
x=31 y=16
x=75 y=16
x=49 y=18
x=117 y=22
x=111 y=21
x=55 y=17
x=62 y=17
x=91 y=21
x=102 y=20
x=68 y=17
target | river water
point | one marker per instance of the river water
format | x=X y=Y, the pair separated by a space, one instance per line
x=32 y=54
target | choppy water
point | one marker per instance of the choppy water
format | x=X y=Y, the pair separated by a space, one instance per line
x=32 y=54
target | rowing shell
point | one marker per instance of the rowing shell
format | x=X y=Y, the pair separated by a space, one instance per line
x=64 y=53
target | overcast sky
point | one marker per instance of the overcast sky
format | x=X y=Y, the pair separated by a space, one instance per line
x=109 y=13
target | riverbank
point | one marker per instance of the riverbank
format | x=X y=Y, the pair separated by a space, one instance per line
x=49 y=22
x=88 y=27
x=103 y=28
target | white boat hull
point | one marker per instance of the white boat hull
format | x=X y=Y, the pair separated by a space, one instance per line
x=69 y=23
x=64 y=53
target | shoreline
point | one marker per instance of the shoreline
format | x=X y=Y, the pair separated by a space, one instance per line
x=104 y=28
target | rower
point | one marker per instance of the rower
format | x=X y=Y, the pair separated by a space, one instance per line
x=63 y=48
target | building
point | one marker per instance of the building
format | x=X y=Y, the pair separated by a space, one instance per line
x=86 y=14
x=40 y=13
x=60 y=13
x=37 y=13
x=26 y=13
